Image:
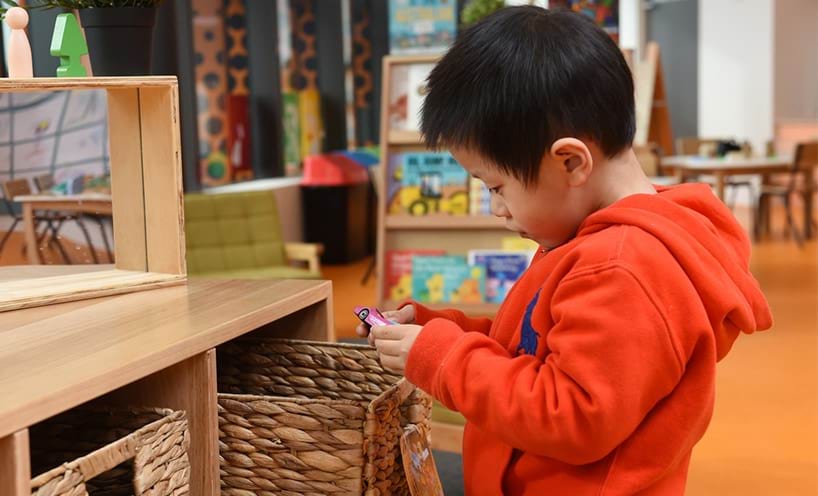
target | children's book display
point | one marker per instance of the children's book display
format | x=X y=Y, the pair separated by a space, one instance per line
x=421 y=26
x=422 y=183
x=432 y=276
x=447 y=279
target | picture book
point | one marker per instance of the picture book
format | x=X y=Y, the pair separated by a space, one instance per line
x=447 y=279
x=398 y=272
x=518 y=243
x=433 y=183
x=479 y=197
x=503 y=269
x=421 y=26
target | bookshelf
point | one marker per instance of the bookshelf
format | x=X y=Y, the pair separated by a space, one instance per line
x=456 y=234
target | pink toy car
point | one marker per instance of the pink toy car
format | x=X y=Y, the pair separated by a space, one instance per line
x=371 y=316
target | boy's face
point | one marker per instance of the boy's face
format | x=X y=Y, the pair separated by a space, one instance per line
x=548 y=211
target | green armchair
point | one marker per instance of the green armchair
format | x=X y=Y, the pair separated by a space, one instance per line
x=238 y=236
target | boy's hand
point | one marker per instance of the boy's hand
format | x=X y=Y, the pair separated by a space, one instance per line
x=393 y=344
x=405 y=315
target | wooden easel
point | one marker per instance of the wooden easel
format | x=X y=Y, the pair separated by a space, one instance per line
x=652 y=113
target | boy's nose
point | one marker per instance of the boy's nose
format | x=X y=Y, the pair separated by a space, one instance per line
x=498 y=207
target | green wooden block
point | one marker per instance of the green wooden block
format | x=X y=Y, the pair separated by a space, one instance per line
x=69 y=45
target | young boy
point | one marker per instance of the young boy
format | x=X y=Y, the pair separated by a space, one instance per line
x=597 y=375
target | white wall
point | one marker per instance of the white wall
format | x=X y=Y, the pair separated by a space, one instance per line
x=632 y=26
x=796 y=60
x=736 y=69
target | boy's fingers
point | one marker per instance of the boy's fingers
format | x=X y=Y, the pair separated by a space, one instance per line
x=392 y=363
x=386 y=333
x=391 y=348
x=362 y=331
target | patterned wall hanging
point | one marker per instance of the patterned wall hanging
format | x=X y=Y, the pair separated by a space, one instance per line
x=211 y=89
x=238 y=96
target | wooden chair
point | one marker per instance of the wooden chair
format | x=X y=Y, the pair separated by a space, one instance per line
x=692 y=146
x=44 y=184
x=804 y=163
x=48 y=223
x=649 y=158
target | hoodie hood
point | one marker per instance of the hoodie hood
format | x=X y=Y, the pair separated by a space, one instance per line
x=711 y=247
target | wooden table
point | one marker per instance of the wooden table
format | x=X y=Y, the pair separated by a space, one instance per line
x=91 y=203
x=685 y=166
x=154 y=347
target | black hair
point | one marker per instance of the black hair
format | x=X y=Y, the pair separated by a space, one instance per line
x=522 y=78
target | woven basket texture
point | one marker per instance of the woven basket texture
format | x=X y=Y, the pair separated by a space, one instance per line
x=112 y=452
x=306 y=418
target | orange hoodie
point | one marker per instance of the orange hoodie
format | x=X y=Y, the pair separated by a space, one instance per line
x=597 y=375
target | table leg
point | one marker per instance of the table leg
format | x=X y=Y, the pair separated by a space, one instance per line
x=808 y=213
x=30 y=234
x=720 y=185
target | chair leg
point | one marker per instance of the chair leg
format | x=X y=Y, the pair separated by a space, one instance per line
x=55 y=237
x=757 y=218
x=799 y=239
x=105 y=238
x=81 y=223
x=8 y=234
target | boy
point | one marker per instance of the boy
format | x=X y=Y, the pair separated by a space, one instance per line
x=597 y=375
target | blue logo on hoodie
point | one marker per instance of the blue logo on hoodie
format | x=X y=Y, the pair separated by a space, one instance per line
x=529 y=336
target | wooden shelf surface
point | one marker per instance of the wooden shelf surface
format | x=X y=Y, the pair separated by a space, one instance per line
x=476 y=309
x=84 y=83
x=44 y=287
x=405 y=138
x=56 y=357
x=444 y=222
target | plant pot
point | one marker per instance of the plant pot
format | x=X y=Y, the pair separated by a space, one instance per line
x=120 y=39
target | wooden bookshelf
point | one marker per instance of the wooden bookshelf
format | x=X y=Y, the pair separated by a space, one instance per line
x=404 y=137
x=476 y=309
x=445 y=222
x=454 y=233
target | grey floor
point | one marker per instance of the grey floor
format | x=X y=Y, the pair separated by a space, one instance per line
x=450 y=469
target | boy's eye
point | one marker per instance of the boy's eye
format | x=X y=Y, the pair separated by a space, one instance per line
x=495 y=190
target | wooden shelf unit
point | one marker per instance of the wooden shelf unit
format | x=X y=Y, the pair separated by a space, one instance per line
x=454 y=233
x=146 y=184
x=152 y=348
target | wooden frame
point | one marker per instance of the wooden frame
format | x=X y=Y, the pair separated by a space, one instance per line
x=146 y=183
x=395 y=232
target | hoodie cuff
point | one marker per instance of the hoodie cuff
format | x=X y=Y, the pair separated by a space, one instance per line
x=428 y=354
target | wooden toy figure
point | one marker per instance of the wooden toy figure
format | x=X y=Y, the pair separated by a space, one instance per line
x=19 y=50
x=69 y=45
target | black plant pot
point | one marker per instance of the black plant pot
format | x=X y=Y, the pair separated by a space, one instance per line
x=120 y=39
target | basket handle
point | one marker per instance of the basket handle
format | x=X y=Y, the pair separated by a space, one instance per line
x=109 y=456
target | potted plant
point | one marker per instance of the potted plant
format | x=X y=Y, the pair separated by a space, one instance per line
x=119 y=33
x=478 y=9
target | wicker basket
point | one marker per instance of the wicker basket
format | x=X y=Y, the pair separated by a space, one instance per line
x=111 y=452
x=312 y=419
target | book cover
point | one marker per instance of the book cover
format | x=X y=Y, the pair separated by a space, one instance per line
x=518 y=243
x=479 y=197
x=433 y=183
x=416 y=93
x=503 y=269
x=421 y=26
x=394 y=181
x=310 y=124
x=398 y=272
x=292 y=133
x=447 y=279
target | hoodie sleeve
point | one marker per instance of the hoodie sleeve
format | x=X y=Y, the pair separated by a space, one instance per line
x=424 y=314
x=612 y=358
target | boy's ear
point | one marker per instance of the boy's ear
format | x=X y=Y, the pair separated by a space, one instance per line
x=575 y=158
